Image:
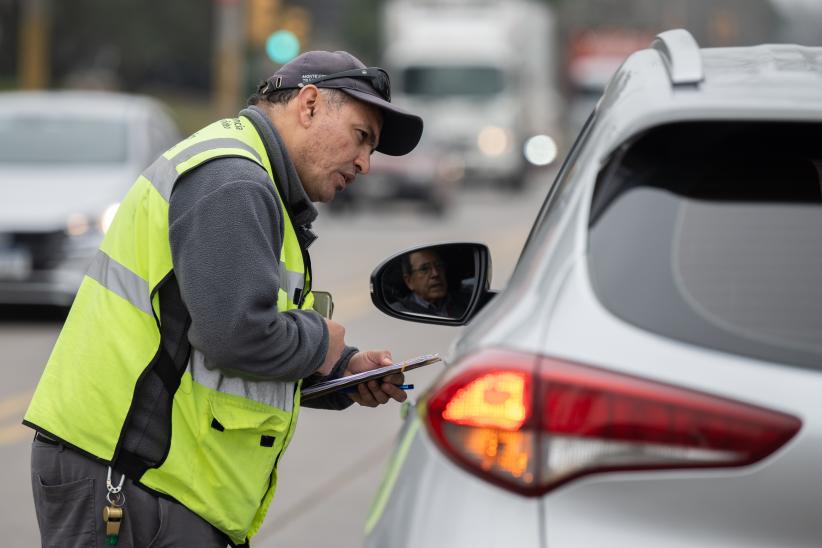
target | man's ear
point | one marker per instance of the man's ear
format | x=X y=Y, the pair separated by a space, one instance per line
x=407 y=279
x=307 y=100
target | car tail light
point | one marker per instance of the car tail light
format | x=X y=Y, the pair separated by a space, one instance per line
x=530 y=423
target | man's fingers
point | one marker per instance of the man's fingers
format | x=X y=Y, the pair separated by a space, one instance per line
x=393 y=391
x=377 y=392
x=336 y=345
x=364 y=396
x=374 y=393
x=380 y=357
x=396 y=378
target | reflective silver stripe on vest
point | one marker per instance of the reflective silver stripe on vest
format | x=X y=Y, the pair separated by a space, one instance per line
x=162 y=175
x=221 y=142
x=163 y=172
x=290 y=281
x=120 y=280
x=274 y=393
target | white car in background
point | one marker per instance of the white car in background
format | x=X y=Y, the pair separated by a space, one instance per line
x=651 y=376
x=66 y=160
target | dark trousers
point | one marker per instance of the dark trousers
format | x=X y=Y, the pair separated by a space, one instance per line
x=69 y=496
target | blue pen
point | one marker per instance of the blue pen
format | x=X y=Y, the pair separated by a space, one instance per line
x=353 y=389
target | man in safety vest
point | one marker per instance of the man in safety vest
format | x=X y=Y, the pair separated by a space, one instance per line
x=174 y=386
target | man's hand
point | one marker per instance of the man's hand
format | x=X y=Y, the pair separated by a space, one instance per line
x=374 y=393
x=336 y=345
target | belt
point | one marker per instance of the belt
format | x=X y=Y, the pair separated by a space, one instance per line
x=39 y=436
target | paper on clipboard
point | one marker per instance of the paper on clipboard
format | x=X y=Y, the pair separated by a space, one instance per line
x=326 y=387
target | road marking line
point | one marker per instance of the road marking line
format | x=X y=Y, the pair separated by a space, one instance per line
x=15 y=404
x=13 y=408
x=14 y=433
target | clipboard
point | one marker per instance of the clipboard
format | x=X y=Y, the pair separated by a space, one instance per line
x=326 y=387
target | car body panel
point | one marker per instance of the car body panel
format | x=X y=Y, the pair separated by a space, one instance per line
x=487 y=516
x=776 y=85
x=549 y=308
x=57 y=192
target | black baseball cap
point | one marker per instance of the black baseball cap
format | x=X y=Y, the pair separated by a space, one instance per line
x=401 y=130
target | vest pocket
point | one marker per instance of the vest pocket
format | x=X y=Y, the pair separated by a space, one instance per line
x=238 y=449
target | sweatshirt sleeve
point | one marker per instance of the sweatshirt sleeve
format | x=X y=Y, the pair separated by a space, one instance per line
x=335 y=401
x=225 y=228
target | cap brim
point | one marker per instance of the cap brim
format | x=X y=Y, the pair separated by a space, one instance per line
x=401 y=131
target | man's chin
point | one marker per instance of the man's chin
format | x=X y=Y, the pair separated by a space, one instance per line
x=332 y=193
x=327 y=197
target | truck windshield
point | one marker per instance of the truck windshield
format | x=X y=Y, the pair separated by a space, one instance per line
x=63 y=140
x=454 y=80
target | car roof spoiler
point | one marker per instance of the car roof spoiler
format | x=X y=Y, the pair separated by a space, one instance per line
x=681 y=56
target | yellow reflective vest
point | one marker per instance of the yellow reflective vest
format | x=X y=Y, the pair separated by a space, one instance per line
x=225 y=438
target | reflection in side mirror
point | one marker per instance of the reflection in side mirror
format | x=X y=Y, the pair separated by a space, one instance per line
x=433 y=284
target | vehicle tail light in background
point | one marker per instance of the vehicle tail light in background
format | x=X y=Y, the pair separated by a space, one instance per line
x=530 y=423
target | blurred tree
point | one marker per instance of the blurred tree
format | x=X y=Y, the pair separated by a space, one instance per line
x=261 y=20
x=34 y=58
x=133 y=44
x=9 y=25
x=362 y=29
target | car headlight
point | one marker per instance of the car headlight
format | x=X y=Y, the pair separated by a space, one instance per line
x=540 y=150
x=493 y=141
x=78 y=224
x=450 y=168
x=108 y=216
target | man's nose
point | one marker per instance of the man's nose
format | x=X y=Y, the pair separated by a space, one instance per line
x=363 y=162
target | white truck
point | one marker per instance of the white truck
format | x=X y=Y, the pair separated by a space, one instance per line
x=482 y=75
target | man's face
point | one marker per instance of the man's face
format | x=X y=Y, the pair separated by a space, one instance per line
x=427 y=276
x=337 y=147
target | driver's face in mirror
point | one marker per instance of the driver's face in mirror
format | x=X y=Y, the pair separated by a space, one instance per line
x=439 y=281
x=424 y=275
x=426 y=288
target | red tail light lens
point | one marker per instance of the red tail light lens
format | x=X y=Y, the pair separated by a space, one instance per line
x=530 y=423
x=483 y=417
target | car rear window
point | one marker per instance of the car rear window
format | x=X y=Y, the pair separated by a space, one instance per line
x=710 y=233
x=62 y=140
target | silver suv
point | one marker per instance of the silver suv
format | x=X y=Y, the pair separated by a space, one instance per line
x=651 y=375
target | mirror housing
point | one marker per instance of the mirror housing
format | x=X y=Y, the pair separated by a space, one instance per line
x=444 y=284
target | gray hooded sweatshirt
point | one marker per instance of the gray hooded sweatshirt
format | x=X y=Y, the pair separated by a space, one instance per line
x=226 y=230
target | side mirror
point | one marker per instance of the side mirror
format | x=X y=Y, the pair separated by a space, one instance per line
x=442 y=284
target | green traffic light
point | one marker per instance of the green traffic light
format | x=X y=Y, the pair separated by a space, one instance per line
x=282 y=46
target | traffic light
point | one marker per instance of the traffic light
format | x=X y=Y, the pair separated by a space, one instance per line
x=291 y=36
x=282 y=46
x=262 y=20
x=297 y=20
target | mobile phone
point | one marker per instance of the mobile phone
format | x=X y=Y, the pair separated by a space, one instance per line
x=323 y=303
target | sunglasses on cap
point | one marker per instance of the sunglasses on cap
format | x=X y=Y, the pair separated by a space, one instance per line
x=376 y=76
